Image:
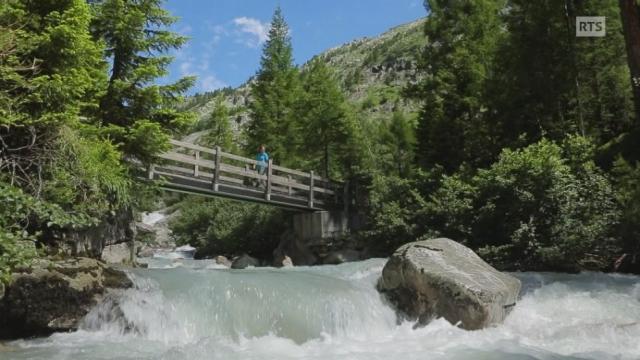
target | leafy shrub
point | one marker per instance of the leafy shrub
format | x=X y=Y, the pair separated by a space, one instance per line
x=22 y=220
x=220 y=226
x=87 y=175
x=544 y=207
x=628 y=194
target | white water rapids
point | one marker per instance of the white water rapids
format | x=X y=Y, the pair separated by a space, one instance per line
x=192 y=310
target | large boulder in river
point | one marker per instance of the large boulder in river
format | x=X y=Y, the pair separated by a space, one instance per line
x=442 y=278
x=341 y=256
x=55 y=296
x=244 y=261
x=222 y=260
x=116 y=254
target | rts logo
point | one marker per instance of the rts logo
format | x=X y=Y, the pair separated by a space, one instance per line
x=590 y=26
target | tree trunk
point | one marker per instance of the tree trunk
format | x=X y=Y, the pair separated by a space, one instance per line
x=326 y=161
x=631 y=27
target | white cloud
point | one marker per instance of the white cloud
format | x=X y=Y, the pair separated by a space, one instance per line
x=185 y=68
x=187 y=29
x=257 y=30
x=210 y=83
x=204 y=63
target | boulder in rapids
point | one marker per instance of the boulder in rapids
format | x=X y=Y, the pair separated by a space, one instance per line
x=244 y=261
x=443 y=278
x=287 y=262
x=55 y=296
x=222 y=260
x=116 y=254
x=341 y=256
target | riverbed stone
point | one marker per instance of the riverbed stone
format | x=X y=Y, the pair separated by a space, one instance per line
x=293 y=246
x=244 y=261
x=116 y=254
x=145 y=251
x=90 y=241
x=287 y=262
x=54 y=296
x=442 y=278
x=341 y=256
x=222 y=260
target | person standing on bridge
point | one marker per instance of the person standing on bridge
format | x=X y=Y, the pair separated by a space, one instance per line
x=262 y=161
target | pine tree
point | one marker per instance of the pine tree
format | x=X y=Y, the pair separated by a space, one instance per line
x=399 y=138
x=325 y=121
x=548 y=83
x=462 y=37
x=51 y=74
x=218 y=127
x=274 y=94
x=139 y=113
x=630 y=13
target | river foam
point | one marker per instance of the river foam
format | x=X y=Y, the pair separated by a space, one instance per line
x=334 y=312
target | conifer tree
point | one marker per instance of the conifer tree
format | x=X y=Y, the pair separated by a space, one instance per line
x=549 y=83
x=274 y=95
x=325 y=121
x=462 y=38
x=218 y=126
x=138 y=112
x=51 y=73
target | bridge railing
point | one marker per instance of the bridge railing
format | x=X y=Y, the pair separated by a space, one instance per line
x=218 y=169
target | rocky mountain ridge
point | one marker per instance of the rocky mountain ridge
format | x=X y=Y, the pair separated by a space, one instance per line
x=372 y=71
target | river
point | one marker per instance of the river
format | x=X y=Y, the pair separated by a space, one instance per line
x=194 y=310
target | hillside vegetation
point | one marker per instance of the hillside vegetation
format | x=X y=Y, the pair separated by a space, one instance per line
x=373 y=73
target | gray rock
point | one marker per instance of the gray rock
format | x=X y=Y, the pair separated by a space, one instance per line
x=442 y=278
x=55 y=296
x=90 y=241
x=287 y=262
x=244 y=261
x=116 y=254
x=222 y=260
x=290 y=245
x=145 y=251
x=341 y=256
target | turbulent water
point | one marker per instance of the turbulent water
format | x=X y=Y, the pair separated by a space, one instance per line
x=193 y=310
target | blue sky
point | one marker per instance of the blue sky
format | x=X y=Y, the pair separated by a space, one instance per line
x=227 y=35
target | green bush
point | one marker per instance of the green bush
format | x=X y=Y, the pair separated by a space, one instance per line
x=628 y=194
x=225 y=227
x=547 y=206
x=393 y=202
x=22 y=221
x=544 y=207
x=87 y=175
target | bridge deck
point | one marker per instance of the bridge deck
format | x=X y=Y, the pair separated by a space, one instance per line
x=193 y=169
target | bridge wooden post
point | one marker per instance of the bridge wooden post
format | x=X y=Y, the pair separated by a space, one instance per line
x=216 y=171
x=151 y=169
x=311 y=189
x=289 y=188
x=267 y=194
x=196 y=168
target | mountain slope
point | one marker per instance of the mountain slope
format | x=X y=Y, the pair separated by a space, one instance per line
x=372 y=71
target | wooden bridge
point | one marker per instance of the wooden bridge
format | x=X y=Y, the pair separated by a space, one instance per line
x=194 y=169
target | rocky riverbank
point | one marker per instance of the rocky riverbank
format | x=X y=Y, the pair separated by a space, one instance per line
x=53 y=296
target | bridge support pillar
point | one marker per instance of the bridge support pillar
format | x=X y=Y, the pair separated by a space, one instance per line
x=316 y=227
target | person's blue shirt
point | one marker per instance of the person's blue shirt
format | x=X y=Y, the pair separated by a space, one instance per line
x=262 y=158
